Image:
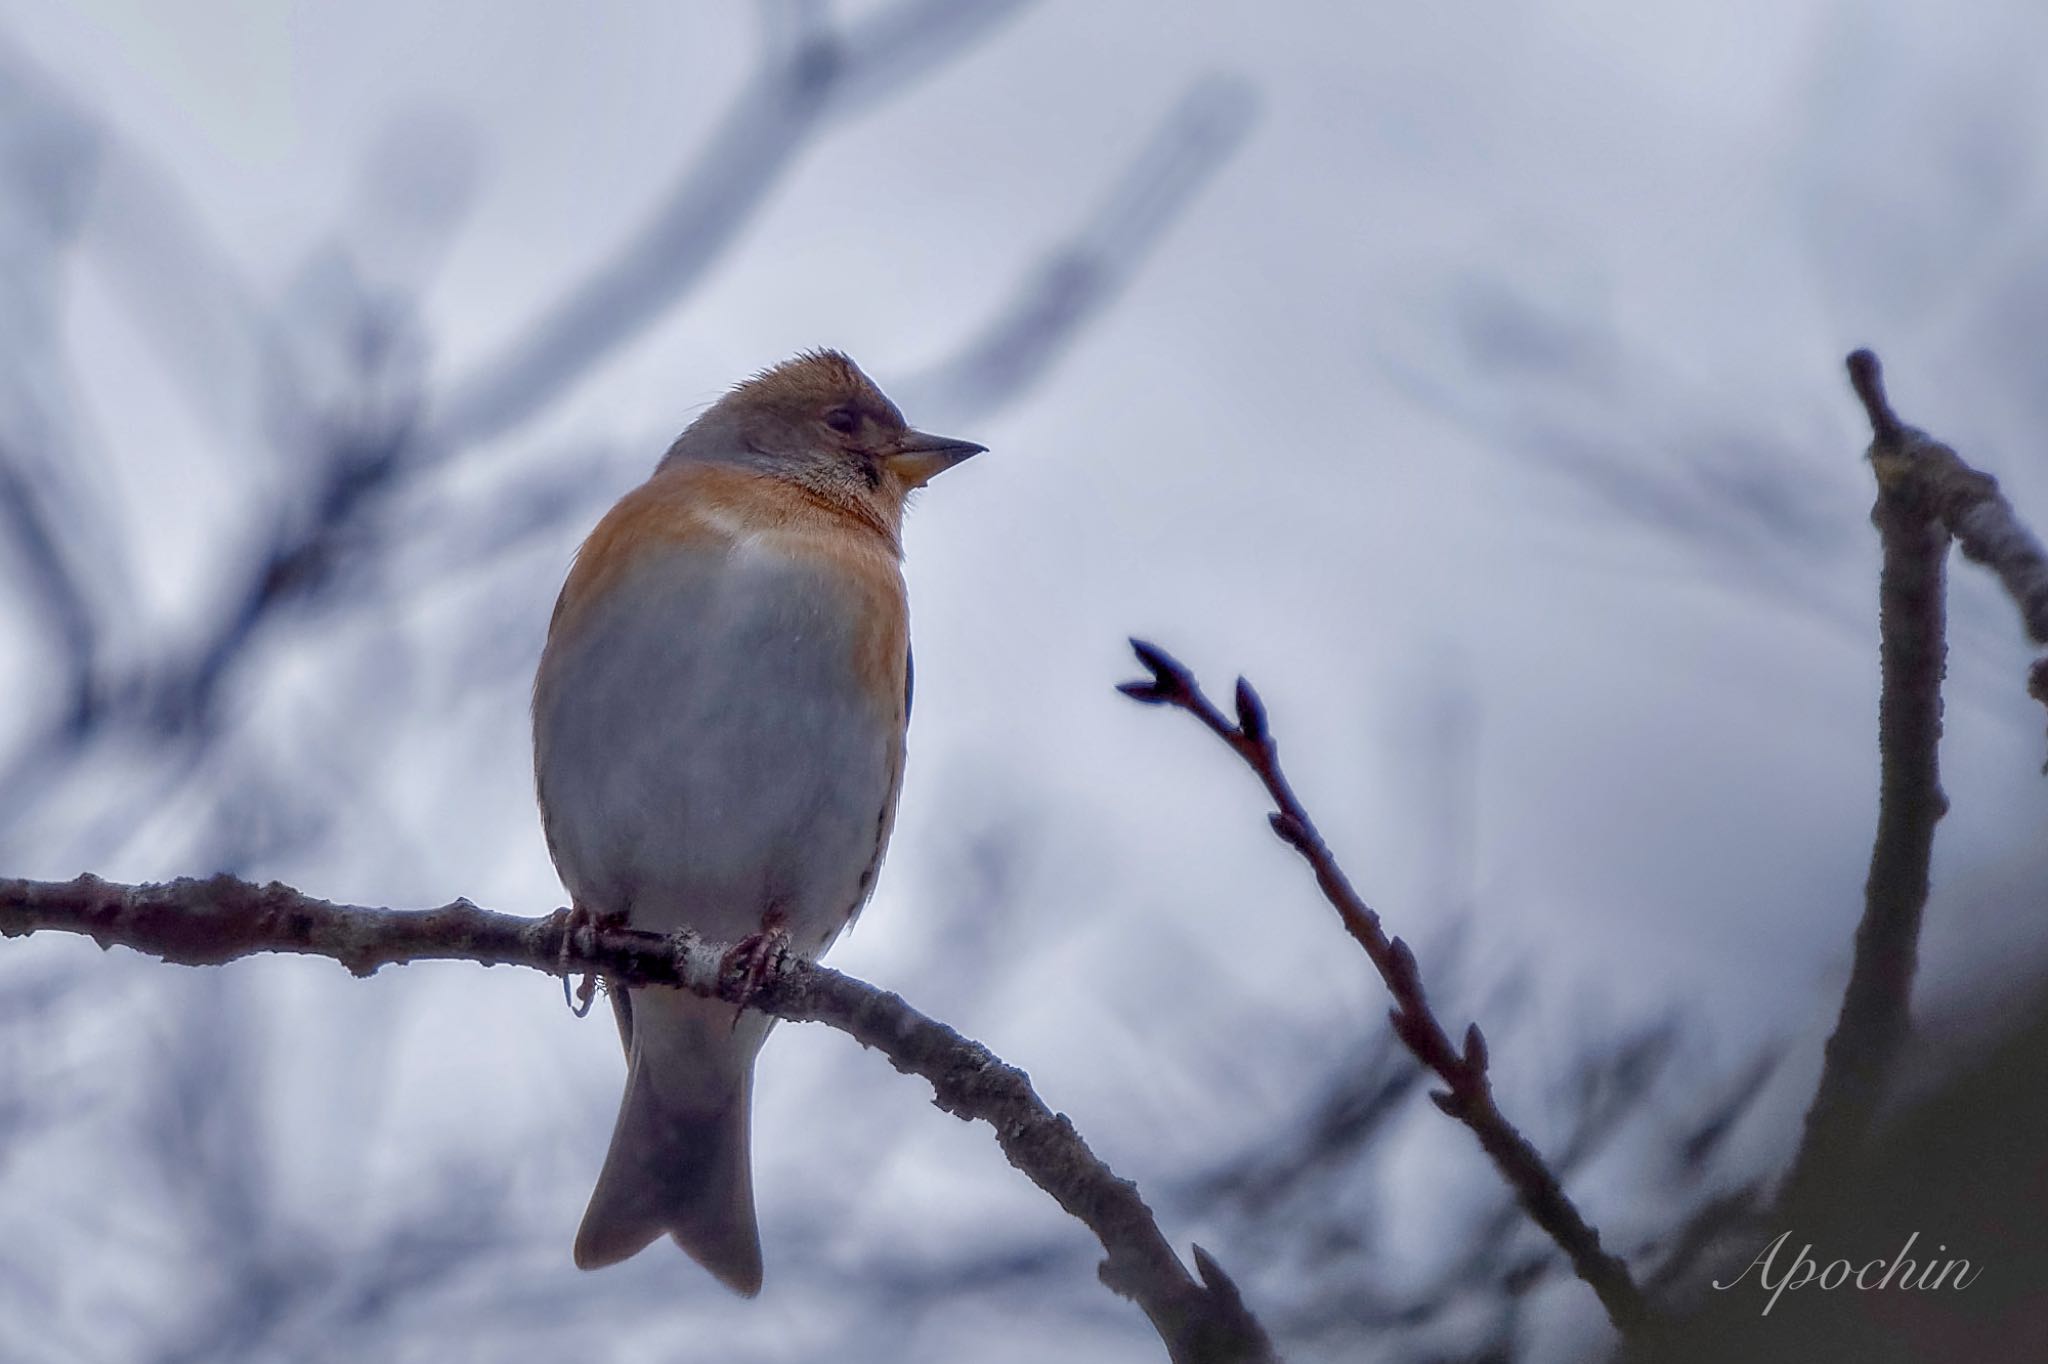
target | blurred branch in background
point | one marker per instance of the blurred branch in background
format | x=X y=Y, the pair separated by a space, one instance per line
x=352 y=405
x=198 y=923
x=1302 y=1200
x=1054 y=301
x=1544 y=373
x=1077 y=279
x=28 y=520
x=1547 y=375
x=49 y=159
x=808 y=76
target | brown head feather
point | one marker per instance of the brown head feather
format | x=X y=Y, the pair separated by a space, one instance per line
x=814 y=381
x=818 y=423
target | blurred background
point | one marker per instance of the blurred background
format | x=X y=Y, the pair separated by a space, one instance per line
x=1470 y=380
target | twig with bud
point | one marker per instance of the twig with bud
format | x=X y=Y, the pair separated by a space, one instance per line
x=1468 y=1092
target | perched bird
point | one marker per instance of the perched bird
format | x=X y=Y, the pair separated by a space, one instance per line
x=718 y=725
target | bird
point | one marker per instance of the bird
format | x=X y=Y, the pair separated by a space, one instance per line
x=719 y=717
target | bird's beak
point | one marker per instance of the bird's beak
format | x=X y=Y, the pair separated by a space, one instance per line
x=918 y=458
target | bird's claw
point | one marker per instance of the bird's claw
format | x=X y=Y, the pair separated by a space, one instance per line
x=585 y=996
x=575 y=919
x=754 y=959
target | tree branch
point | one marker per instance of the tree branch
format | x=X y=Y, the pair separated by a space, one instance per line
x=200 y=923
x=1469 y=1093
x=1967 y=500
x=1916 y=479
x=1968 y=503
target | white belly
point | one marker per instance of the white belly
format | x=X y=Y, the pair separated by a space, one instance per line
x=707 y=753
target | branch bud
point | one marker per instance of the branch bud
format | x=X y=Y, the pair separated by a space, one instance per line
x=1251 y=715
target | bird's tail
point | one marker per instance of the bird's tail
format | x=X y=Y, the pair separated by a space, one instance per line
x=679 y=1160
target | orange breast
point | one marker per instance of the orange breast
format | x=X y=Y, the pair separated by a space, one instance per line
x=725 y=510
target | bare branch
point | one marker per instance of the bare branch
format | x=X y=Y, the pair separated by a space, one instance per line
x=1913 y=649
x=1866 y=376
x=199 y=923
x=1966 y=499
x=1926 y=493
x=1469 y=1096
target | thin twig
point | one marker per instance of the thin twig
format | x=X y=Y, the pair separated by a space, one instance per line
x=1911 y=472
x=1468 y=1095
x=199 y=923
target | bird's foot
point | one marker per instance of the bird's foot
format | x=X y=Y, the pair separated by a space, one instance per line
x=755 y=958
x=575 y=919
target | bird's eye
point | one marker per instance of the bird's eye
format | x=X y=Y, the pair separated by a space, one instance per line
x=842 y=420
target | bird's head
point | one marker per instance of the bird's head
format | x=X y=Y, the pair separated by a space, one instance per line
x=818 y=421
